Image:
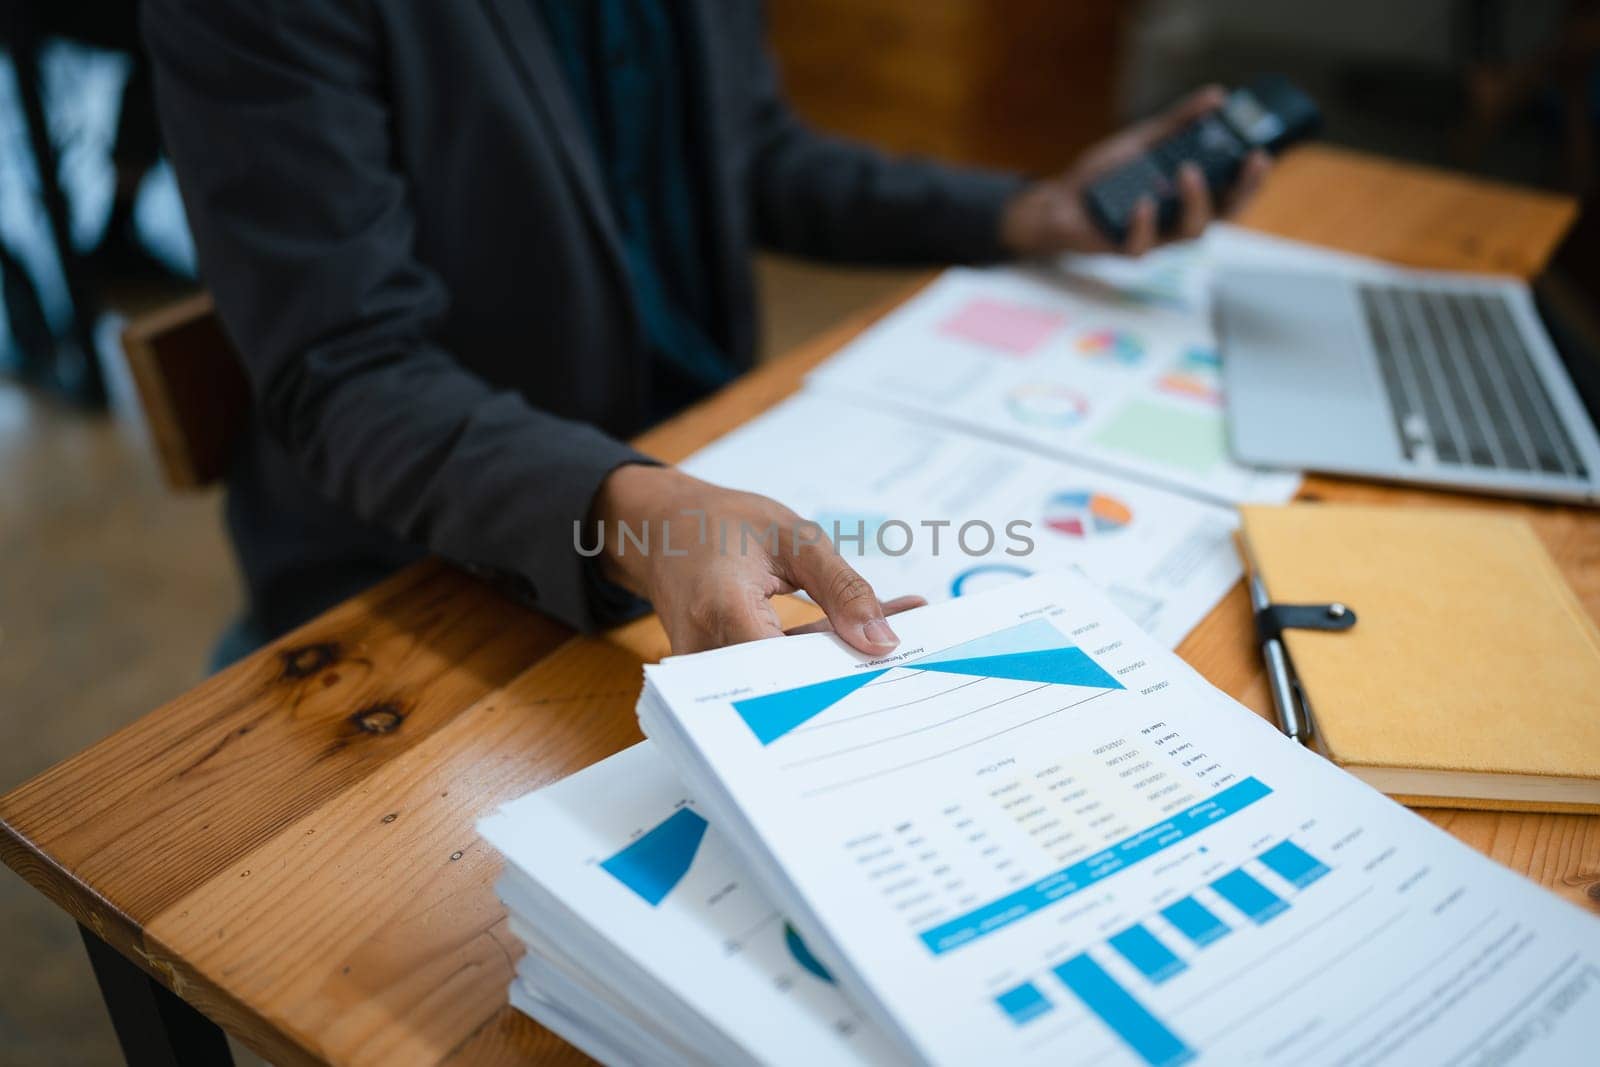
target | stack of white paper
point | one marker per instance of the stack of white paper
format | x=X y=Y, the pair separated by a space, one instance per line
x=646 y=943
x=1032 y=835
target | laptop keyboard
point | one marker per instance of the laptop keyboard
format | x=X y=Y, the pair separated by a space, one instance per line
x=1462 y=384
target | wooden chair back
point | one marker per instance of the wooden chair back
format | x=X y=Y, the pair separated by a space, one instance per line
x=192 y=387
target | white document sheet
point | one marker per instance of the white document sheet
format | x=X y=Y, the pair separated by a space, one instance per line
x=1032 y=836
x=621 y=848
x=1076 y=367
x=1164 y=558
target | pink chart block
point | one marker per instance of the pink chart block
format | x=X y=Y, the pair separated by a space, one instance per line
x=1011 y=328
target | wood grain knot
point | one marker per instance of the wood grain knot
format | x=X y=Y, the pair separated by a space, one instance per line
x=1593 y=892
x=381 y=718
x=305 y=660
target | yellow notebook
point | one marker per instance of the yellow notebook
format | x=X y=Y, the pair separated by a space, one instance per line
x=1472 y=675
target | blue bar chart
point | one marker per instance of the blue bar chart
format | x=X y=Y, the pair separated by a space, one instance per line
x=1148 y=955
x=1247 y=894
x=1195 y=921
x=1293 y=864
x=1023 y=1003
x=1158 y=955
x=1122 y=1012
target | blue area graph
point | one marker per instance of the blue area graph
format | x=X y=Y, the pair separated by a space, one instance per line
x=1195 y=921
x=1033 y=651
x=1023 y=1003
x=802 y=954
x=775 y=714
x=1293 y=864
x=1035 y=635
x=1021 y=903
x=1056 y=666
x=1248 y=895
x=1145 y=951
x=1122 y=1012
x=657 y=861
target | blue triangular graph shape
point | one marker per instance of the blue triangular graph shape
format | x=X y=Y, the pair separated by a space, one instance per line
x=770 y=717
x=1056 y=666
x=802 y=954
x=1036 y=635
x=653 y=865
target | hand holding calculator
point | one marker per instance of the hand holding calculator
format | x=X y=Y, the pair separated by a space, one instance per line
x=1268 y=115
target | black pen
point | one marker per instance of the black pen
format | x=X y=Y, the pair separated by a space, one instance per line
x=1279 y=678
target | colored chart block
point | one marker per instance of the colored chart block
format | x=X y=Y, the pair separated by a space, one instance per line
x=1024 y=1003
x=1015 y=329
x=1249 y=896
x=1195 y=921
x=1117 y=346
x=654 y=864
x=1130 y=1020
x=1293 y=864
x=1168 y=435
x=1197 y=375
x=1145 y=951
x=1190 y=386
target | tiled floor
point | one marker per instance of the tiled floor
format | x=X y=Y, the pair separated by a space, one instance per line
x=111 y=592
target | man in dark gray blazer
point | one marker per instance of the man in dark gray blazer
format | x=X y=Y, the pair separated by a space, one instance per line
x=468 y=247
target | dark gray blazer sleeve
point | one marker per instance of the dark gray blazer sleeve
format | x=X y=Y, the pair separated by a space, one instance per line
x=274 y=116
x=823 y=196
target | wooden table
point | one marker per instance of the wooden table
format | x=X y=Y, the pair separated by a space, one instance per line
x=290 y=846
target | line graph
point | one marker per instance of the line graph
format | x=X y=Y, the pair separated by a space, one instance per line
x=1032 y=651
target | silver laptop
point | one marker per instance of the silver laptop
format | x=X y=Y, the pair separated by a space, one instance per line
x=1463 y=380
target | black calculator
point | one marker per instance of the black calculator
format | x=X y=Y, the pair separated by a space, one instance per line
x=1270 y=113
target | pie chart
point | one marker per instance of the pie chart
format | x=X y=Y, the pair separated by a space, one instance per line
x=1047 y=404
x=1084 y=513
x=1113 y=346
x=985 y=576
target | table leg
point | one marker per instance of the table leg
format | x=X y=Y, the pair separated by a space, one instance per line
x=154 y=1025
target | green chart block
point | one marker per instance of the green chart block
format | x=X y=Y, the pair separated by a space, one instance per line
x=1157 y=433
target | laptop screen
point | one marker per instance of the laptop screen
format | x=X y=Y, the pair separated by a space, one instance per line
x=1568 y=295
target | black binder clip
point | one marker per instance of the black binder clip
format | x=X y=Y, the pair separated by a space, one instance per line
x=1273 y=619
